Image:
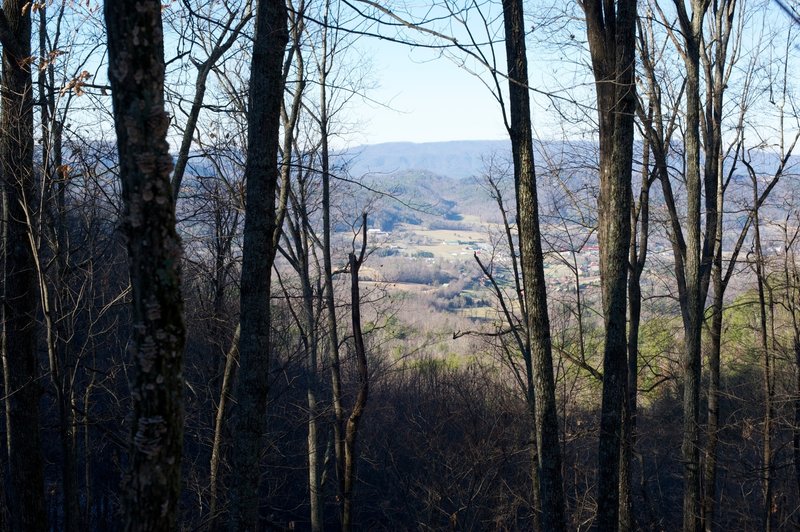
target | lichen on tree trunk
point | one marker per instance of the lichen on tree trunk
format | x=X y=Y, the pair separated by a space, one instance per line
x=136 y=73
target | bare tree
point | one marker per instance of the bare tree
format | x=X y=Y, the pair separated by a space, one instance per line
x=229 y=28
x=360 y=403
x=261 y=230
x=136 y=73
x=691 y=28
x=540 y=361
x=611 y=29
x=20 y=301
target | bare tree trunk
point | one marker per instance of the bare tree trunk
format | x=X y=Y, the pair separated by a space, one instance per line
x=769 y=414
x=351 y=429
x=712 y=429
x=299 y=253
x=324 y=65
x=693 y=308
x=136 y=73
x=540 y=362
x=792 y=280
x=261 y=176
x=330 y=305
x=54 y=186
x=611 y=31
x=716 y=83
x=87 y=463
x=219 y=426
x=796 y=431
x=26 y=493
x=637 y=260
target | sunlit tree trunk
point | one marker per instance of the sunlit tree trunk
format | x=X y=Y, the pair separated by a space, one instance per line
x=539 y=363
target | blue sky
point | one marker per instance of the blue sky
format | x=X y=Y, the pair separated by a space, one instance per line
x=430 y=97
x=427 y=99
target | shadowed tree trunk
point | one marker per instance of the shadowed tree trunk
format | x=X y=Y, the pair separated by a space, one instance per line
x=20 y=301
x=767 y=481
x=717 y=72
x=228 y=375
x=136 y=73
x=640 y=216
x=248 y=421
x=351 y=427
x=539 y=362
x=330 y=304
x=611 y=31
x=791 y=286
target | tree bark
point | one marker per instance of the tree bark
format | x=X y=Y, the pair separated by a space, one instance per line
x=693 y=266
x=20 y=301
x=258 y=254
x=136 y=73
x=330 y=304
x=539 y=363
x=637 y=261
x=611 y=30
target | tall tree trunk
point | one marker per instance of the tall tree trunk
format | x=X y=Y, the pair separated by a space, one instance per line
x=540 y=362
x=769 y=414
x=330 y=304
x=611 y=30
x=796 y=431
x=20 y=301
x=328 y=296
x=136 y=73
x=353 y=421
x=692 y=310
x=258 y=254
x=298 y=248
x=716 y=82
x=637 y=261
x=54 y=186
x=712 y=429
x=228 y=375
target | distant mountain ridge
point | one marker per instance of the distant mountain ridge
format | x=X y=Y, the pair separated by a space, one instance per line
x=458 y=159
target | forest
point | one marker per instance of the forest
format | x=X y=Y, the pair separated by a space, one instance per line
x=216 y=316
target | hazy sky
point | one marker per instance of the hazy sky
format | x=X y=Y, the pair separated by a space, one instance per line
x=429 y=97
x=427 y=100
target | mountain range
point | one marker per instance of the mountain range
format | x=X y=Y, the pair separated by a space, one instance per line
x=456 y=159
